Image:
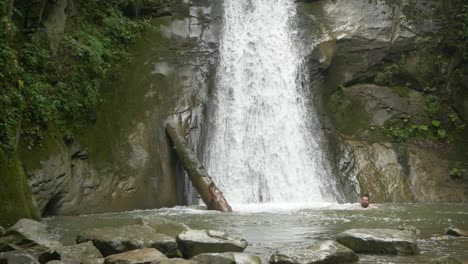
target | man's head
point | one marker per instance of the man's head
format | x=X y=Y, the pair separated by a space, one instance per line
x=365 y=200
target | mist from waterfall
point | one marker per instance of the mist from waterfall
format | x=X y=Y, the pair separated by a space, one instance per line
x=262 y=147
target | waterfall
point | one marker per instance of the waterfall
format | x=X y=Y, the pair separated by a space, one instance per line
x=262 y=146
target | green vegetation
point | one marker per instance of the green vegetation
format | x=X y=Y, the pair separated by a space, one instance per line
x=441 y=122
x=442 y=70
x=15 y=196
x=456 y=172
x=40 y=86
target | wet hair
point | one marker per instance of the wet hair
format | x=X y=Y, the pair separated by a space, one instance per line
x=365 y=195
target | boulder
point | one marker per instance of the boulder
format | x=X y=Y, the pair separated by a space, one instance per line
x=176 y=261
x=385 y=241
x=446 y=260
x=228 y=258
x=453 y=231
x=111 y=240
x=17 y=256
x=410 y=229
x=144 y=255
x=165 y=226
x=60 y=262
x=75 y=253
x=93 y=261
x=27 y=233
x=194 y=242
x=327 y=251
x=2 y=231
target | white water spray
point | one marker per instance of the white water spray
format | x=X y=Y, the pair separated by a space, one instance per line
x=260 y=148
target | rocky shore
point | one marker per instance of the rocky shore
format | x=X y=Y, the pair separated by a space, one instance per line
x=159 y=241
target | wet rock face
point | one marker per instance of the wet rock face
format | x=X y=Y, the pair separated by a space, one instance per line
x=358 y=108
x=194 y=242
x=362 y=34
x=393 y=173
x=125 y=161
x=384 y=241
x=371 y=63
x=327 y=251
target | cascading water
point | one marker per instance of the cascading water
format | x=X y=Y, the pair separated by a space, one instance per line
x=260 y=147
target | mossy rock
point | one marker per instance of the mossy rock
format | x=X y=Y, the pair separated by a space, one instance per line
x=16 y=200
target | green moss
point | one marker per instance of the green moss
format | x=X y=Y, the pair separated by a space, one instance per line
x=401 y=91
x=51 y=143
x=348 y=114
x=15 y=195
x=128 y=97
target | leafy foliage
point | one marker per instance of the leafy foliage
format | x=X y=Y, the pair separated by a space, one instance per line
x=38 y=87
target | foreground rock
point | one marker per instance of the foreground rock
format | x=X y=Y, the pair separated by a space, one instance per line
x=175 y=261
x=446 y=260
x=17 y=257
x=227 y=258
x=194 y=242
x=145 y=255
x=79 y=252
x=385 y=241
x=327 y=251
x=410 y=229
x=29 y=237
x=28 y=233
x=164 y=226
x=453 y=231
x=117 y=240
x=93 y=261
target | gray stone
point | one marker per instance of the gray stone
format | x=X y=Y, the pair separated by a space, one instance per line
x=137 y=256
x=194 y=242
x=75 y=253
x=410 y=229
x=2 y=231
x=61 y=262
x=446 y=260
x=327 y=251
x=29 y=233
x=17 y=257
x=92 y=261
x=453 y=231
x=391 y=173
x=385 y=241
x=111 y=240
x=176 y=261
x=165 y=226
x=228 y=258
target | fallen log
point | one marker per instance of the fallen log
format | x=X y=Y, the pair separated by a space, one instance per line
x=209 y=192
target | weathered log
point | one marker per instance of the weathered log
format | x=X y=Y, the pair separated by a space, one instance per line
x=209 y=192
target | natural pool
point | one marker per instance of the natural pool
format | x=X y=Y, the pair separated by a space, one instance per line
x=271 y=227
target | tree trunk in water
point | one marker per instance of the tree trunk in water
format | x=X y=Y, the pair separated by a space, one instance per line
x=210 y=194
